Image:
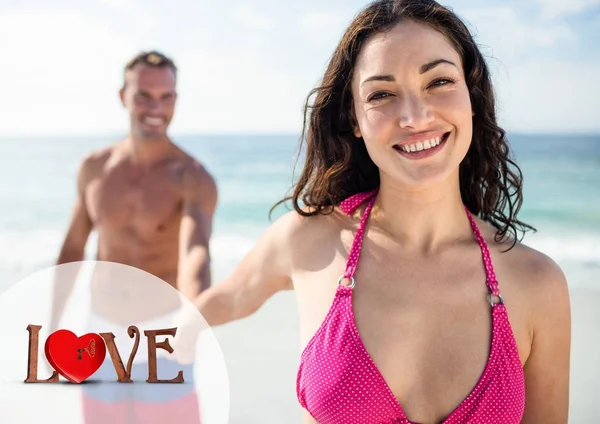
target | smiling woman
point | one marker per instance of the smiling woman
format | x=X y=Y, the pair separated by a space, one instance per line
x=453 y=76
x=418 y=303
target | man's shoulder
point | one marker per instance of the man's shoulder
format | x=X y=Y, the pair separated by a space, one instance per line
x=101 y=154
x=94 y=162
x=194 y=173
x=197 y=183
x=196 y=176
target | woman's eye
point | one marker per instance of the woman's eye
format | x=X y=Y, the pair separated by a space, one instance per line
x=378 y=96
x=441 y=81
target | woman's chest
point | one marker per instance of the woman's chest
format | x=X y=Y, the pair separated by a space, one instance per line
x=427 y=326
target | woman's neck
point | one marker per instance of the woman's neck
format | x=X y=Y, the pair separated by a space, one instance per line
x=423 y=219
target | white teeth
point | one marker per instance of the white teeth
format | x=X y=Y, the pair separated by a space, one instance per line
x=154 y=121
x=419 y=146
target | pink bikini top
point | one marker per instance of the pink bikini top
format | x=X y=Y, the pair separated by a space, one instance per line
x=338 y=382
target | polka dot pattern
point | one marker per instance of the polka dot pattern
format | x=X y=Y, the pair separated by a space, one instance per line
x=338 y=382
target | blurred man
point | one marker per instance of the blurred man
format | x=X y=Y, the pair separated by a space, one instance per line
x=151 y=205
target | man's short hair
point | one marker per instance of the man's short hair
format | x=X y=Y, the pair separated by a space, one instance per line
x=153 y=59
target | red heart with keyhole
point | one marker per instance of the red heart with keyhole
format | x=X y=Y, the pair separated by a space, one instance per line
x=75 y=358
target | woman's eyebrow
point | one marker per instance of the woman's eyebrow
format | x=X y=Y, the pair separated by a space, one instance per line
x=389 y=78
x=424 y=68
x=430 y=65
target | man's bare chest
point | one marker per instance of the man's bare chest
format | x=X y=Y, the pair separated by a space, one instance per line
x=147 y=202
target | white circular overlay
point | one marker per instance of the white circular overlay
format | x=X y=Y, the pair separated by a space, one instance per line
x=105 y=297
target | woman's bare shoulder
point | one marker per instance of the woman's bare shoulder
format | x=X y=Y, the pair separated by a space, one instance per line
x=530 y=267
x=296 y=227
x=304 y=239
x=529 y=273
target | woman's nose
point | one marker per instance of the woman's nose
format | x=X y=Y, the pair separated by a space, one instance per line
x=414 y=112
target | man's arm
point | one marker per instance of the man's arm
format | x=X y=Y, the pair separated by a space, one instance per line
x=199 y=205
x=73 y=247
x=548 y=365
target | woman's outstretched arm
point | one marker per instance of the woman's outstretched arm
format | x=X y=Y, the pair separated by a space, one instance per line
x=264 y=271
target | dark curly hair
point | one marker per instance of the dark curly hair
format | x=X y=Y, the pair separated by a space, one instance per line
x=337 y=164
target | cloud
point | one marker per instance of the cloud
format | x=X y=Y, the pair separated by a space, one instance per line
x=67 y=81
x=552 y=9
x=512 y=38
x=319 y=21
x=237 y=92
x=141 y=20
x=551 y=95
x=325 y=27
x=64 y=71
x=537 y=90
x=251 y=18
x=122 y=4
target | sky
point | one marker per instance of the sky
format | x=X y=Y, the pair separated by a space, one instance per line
x=247 y=67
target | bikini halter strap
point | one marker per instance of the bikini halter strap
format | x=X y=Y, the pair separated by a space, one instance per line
x=349 y=205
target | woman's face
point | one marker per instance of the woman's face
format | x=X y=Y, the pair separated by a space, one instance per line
x=412 y=104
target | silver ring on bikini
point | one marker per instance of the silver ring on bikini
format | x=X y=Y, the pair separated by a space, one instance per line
x=491 y=299
x=353 y=282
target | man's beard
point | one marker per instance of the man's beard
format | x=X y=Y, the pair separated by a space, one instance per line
x=149 y=134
